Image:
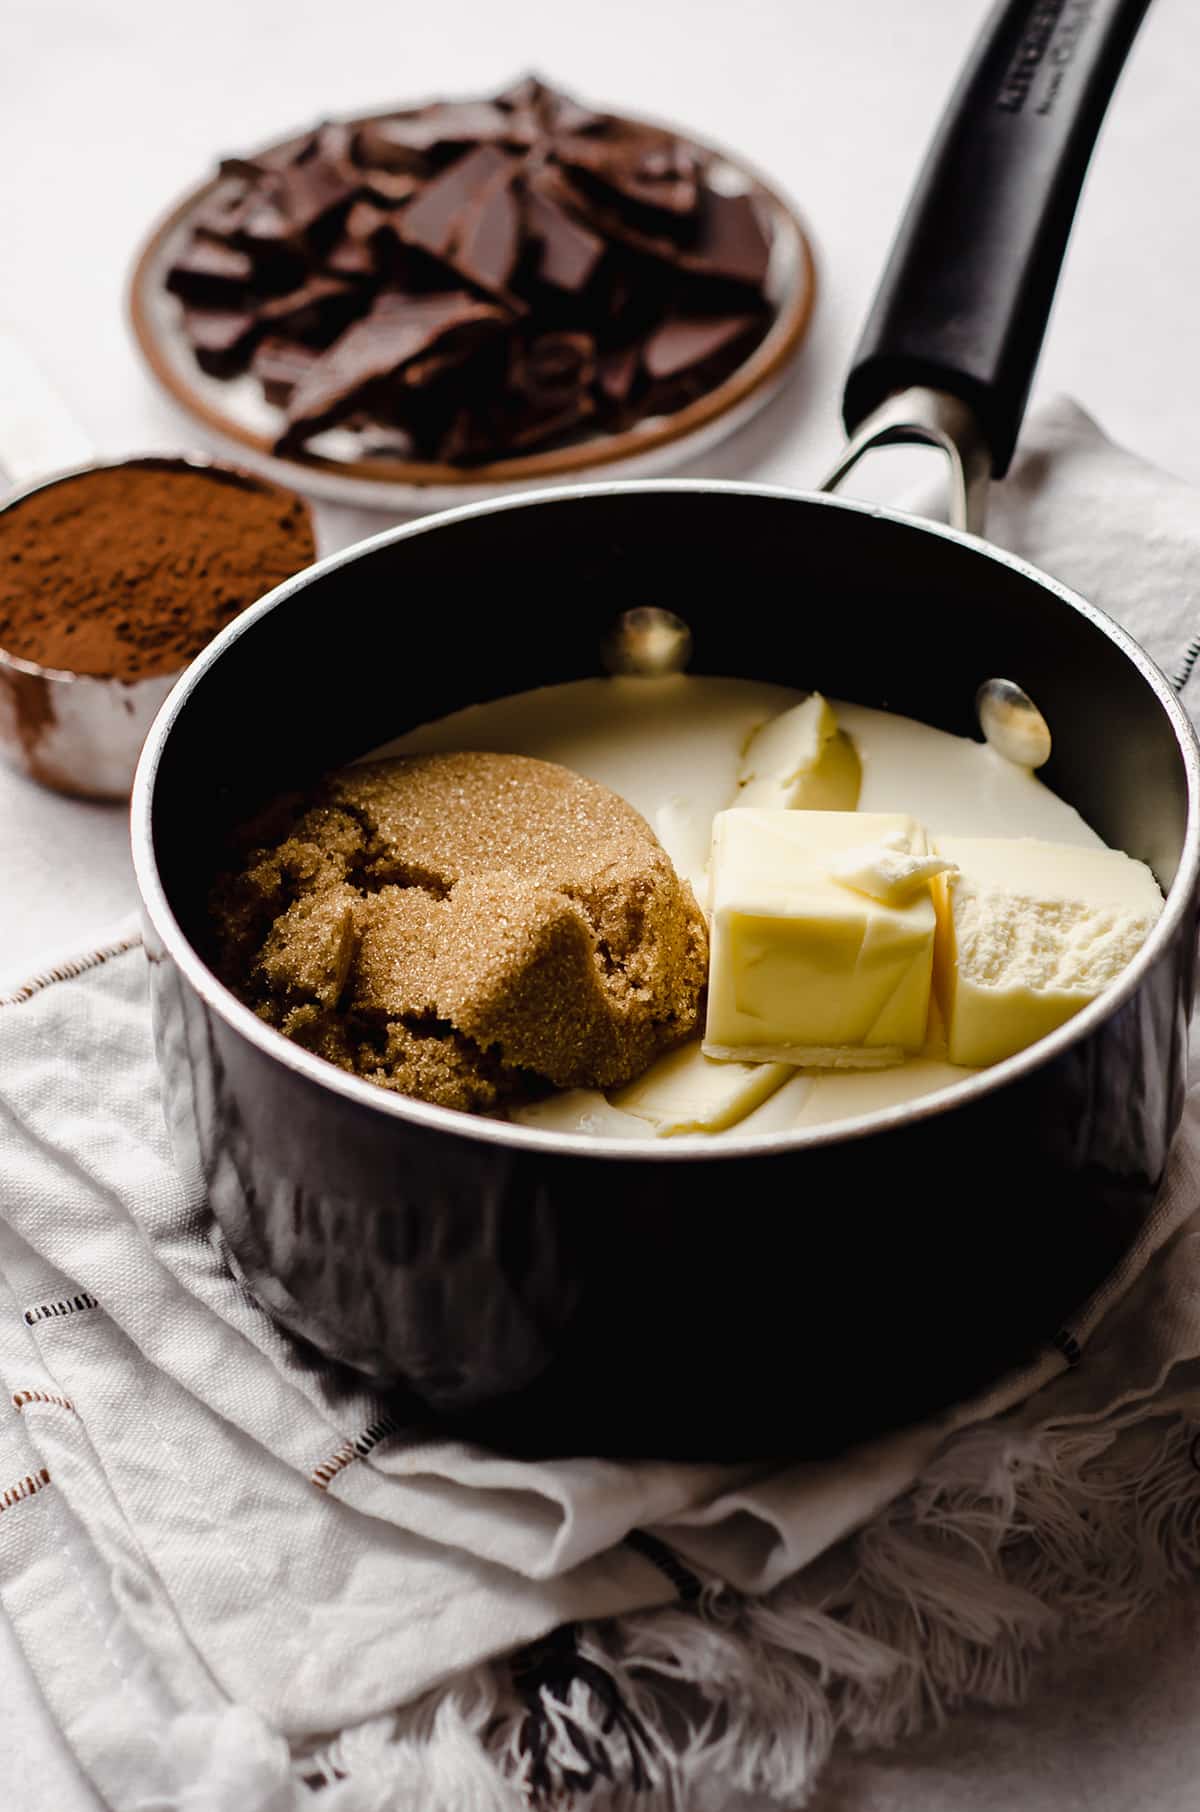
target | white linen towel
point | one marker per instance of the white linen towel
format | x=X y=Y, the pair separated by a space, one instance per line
x=240 y=1585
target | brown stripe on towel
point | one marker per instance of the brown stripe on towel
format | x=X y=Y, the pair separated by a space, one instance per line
x=26 y=1487
x=357 y=1447
x=22 y=1397
x=67 y=971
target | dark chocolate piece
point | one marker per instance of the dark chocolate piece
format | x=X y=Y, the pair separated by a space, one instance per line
x=358 y=252
x=333 y=144
x=659 y=177
x=351 y=258
x=619 y=373
x=316 y=312
x=221 y=338
x=553 y=367
x=730 y=240
x=365 y=219
x=279 y=365
x=389 y=187
x=680 y=345
x=407 y=141
x=435 y=220
x=568 y=254
x=529 y=94
x=299 y=205
x=489 y=239
x=567 y=116
x=398 y=329
x=210 y=274
x=472 y=279
x=543 y=109
x=221 y=212
x=547 y=394
x=684 y=358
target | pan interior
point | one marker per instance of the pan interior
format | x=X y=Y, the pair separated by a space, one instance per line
x=803 y=592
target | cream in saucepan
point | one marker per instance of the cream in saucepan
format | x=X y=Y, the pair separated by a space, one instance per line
x=672 y=748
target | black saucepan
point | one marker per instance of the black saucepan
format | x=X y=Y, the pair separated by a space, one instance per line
x=794 y=1292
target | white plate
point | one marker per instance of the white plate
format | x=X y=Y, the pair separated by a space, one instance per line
x=236 y=415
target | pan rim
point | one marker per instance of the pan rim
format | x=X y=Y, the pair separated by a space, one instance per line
x=682 y=1148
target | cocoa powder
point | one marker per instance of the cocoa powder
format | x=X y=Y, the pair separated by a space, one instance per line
x=128 y=570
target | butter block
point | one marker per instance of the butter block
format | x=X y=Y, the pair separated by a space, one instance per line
x=803 y=969
x=888 y=870
x=800 y=761
x=1028 y=933
x=685 y=1091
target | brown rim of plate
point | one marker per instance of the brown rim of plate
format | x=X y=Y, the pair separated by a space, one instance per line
x=765 y=364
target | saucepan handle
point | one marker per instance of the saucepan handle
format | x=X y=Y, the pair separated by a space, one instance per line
x=963 y=304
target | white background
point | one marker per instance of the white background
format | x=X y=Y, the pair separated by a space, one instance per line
x=109 y=108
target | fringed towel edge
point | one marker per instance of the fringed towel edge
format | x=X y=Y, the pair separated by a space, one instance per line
x=1011 y=1542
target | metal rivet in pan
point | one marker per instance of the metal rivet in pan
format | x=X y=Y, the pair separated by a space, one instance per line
x=648 y=642
x=1012 y=723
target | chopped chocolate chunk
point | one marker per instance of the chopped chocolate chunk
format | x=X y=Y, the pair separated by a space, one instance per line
x=679 y=345
x=279 y=365
x=364 y=220
x=309 y=193
x=389 y=187
x=568 y=255
x=683 y=358
x=566 y=115
x=352 y=258
x=210 y=273
x=407 y=140
x=489 y=239
x=730 y=240
x=333 y=143
x=300 y=205
x=662 y=178
x=554 y=367
x=474 y=435
x=529 y=95
x=547 y=393
x=359 y=252
x=221 y=338
x=619 y=373
x=244 y=169
x=398 y=329
x=471 y=279
x=544 y=110
x=220 y=213
x=315 y=312
x=263 y=223
x=435 y=220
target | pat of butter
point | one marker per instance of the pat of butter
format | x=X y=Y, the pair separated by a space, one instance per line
x=685 y=1091
x=800 y=761
x=802 y=969
x=1028 y=934
x=889 y=870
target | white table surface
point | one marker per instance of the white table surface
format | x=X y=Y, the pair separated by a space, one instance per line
x=108 y=108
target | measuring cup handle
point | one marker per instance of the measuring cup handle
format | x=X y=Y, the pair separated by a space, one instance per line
x=964 y=300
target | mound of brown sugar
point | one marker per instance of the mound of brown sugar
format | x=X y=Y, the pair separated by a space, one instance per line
x=465 y=928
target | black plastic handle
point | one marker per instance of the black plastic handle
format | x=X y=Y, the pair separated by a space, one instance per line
x=967 y=291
